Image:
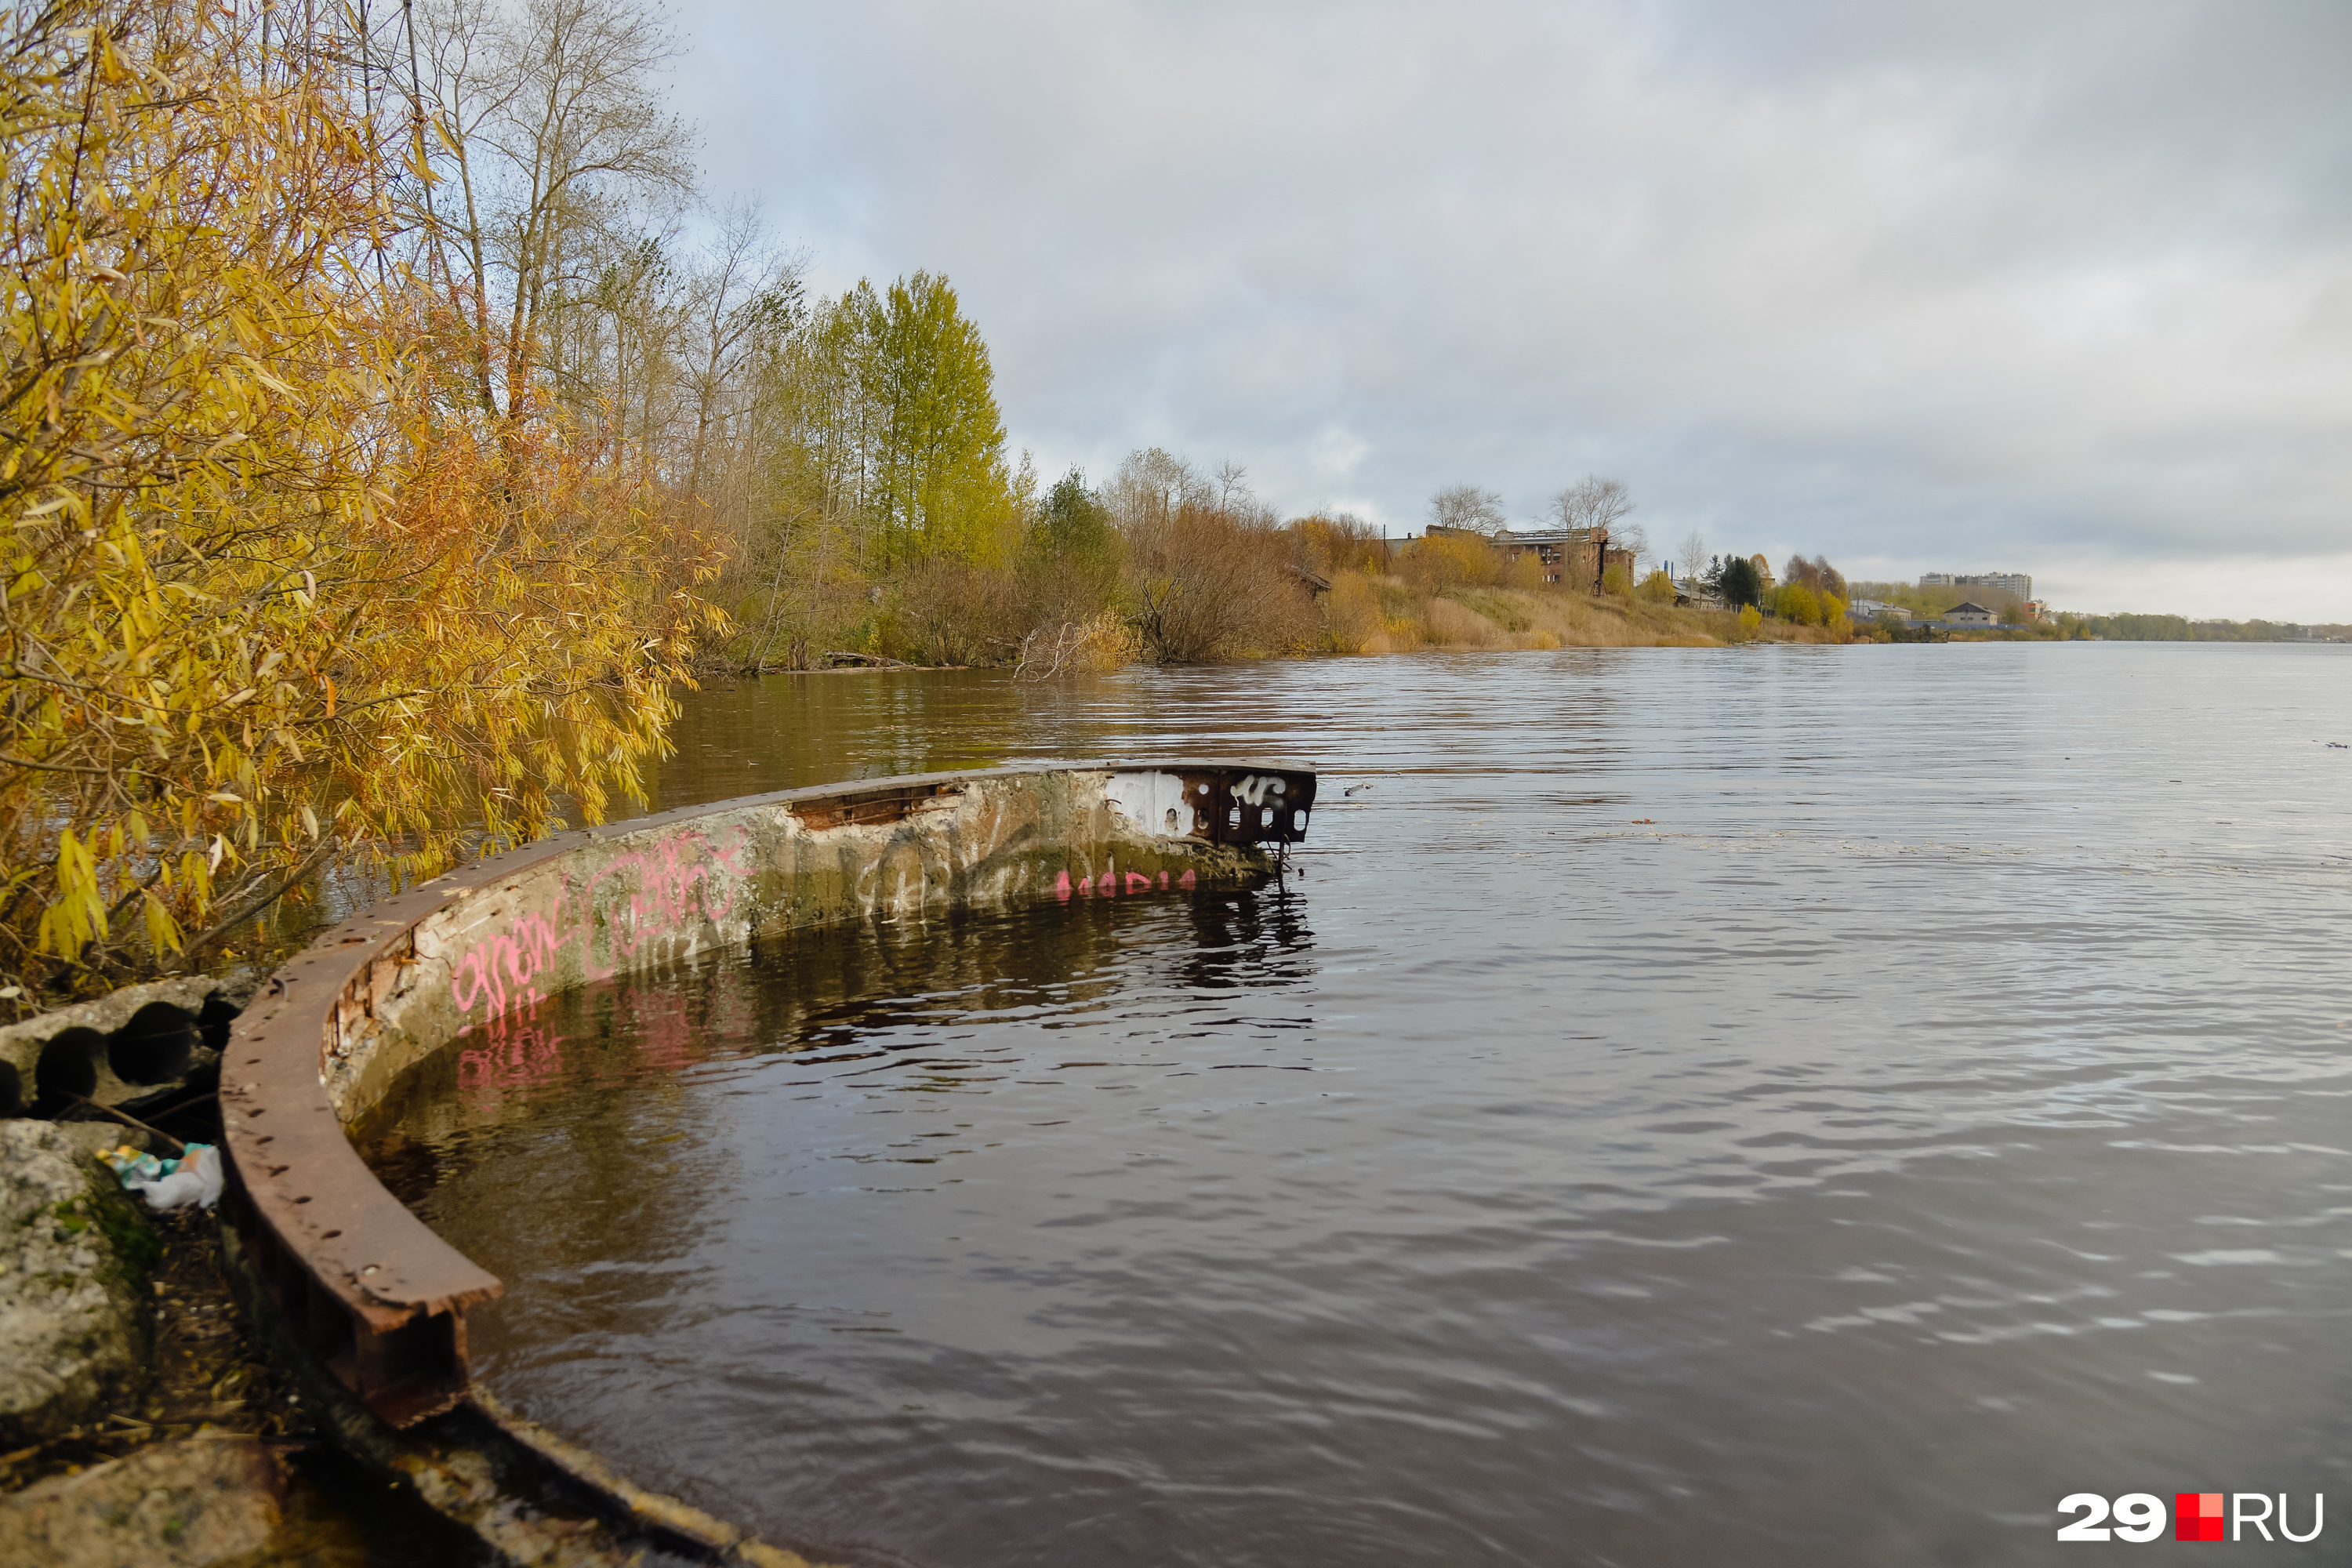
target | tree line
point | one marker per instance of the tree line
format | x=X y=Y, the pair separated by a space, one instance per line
x=391 y=430
x=352 y=500
x=390 y=433
x=1806 y=593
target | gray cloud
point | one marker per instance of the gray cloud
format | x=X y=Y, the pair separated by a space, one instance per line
x=2064 y=289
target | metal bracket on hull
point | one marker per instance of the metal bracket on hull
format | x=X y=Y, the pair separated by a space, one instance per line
x=1220 y=805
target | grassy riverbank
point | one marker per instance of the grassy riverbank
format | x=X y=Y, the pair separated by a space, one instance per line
x=1366 y=613
x=1163 y=566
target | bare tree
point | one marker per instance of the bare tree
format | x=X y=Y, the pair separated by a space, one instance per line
x=1149 y=488
x=551 y=125
x=1692 y=556
x=1467 y=507
x=745 y=295
x=614 y=352
x=1233 y=485
x=1632 y=537
x=1592 y=502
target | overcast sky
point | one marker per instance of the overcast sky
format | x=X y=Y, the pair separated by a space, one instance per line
x=2056 y=288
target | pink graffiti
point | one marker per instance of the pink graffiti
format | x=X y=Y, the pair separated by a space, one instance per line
x=501 y=970
x=1137 y=882
x=645 y=896
x=673 y=885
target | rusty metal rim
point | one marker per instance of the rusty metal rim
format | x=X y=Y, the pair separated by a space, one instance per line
x=368 y=1288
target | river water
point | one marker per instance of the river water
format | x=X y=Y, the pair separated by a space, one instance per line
x=1770 y=1105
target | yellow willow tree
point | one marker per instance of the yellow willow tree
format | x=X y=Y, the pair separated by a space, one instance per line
x=269 y=592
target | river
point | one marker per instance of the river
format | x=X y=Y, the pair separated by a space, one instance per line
x=1763 y=1105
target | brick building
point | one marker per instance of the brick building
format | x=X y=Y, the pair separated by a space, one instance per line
x=1571 y=557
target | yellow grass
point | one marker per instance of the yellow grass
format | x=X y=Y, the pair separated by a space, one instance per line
x=1387 y=615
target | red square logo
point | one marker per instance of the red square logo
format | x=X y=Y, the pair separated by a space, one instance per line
x=2197 y=1516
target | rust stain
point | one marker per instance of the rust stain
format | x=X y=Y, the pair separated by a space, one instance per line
x=874 y=808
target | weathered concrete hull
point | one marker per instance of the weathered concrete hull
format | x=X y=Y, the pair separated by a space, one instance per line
x=665 y=891
x=365 y=1287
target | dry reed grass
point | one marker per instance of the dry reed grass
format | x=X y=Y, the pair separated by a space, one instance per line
x=1100 y=643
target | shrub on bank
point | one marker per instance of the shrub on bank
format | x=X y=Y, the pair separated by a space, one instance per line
x=1208 y=583
x=1351 y=613
x=1440 y=562
x=1796 y=603
x=1194 y=570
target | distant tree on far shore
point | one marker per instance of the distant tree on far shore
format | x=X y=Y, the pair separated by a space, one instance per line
x=1797 y=605
x=1817 y=574
x=1467 y=507
x=1592 y=502
x=1737 y=580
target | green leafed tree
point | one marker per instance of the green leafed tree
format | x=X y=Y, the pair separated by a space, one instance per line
x=1736 y=579
x=1074 y=548
x=940 y=484
x=1071 y=519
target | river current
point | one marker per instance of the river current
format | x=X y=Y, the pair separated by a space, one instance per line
x=1766 y=1105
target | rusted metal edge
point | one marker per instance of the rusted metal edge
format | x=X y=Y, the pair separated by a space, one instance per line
x=364 y=1285
x=523 y=1493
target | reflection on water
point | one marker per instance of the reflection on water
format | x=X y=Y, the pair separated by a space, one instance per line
x=1774 y=1105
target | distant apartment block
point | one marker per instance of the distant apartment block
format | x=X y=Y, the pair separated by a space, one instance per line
x=2018 y=582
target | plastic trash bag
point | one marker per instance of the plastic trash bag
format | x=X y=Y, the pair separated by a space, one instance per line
x=195 y=1177
x=132 y=1165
